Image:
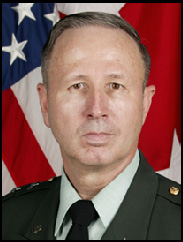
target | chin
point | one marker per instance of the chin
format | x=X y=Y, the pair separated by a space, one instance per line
x=94 y=157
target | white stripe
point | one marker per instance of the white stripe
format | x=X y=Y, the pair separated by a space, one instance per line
x=26 y=92
x=174 y=172
x=69 y=8
x=7 y=182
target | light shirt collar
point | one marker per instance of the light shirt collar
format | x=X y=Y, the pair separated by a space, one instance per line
x=68 y=196
x=108 y=199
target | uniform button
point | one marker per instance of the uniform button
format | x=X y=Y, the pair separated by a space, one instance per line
x=174 y=191
x=37 y=229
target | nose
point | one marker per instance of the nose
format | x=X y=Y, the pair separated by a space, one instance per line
x=97 y=105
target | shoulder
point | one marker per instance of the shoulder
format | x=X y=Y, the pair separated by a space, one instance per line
x=165 y=222
x=169 y=190
x=168 y=199
x=165 y=219
x=36 y=189
x=23 y=204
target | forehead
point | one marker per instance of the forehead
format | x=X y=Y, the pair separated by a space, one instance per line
x=92 y=44
x=93 y=36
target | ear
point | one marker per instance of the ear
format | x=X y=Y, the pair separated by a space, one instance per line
x=148 y=95
x=43 y=97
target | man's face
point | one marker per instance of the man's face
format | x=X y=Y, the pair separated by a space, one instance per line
x=95 y=105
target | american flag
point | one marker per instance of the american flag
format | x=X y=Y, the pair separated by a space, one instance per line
x=29 y=150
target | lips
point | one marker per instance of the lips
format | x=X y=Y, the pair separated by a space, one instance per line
x=97 y=138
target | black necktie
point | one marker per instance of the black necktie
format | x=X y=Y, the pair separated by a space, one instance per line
x=82 y=214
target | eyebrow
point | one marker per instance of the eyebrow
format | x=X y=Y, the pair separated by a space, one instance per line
x=116 y=76
x=75 y=77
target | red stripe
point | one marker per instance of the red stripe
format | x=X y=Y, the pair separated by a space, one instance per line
x=159 y=27
x=20 y=150
x=62 y=15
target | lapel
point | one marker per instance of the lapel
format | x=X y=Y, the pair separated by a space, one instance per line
x=132 y=219
x=42 y=226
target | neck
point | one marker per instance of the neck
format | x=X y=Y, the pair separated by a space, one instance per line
x=90 y=180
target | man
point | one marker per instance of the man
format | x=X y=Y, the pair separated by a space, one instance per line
x=95 y=99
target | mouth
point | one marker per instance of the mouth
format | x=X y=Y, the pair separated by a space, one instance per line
x=97 y=138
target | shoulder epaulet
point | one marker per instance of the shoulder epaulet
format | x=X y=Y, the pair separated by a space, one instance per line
x=17 y=191
x=169 y=189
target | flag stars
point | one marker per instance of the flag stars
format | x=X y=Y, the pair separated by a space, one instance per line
x=24 y=10
x=15 y=49
x=54 y=17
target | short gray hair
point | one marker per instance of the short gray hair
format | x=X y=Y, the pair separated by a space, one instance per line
x=79 y=20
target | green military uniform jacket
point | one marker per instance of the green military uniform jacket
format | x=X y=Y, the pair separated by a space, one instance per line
x=150 y=210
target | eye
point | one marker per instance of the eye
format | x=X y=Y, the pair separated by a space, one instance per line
x=115 y=86
x=77 y=86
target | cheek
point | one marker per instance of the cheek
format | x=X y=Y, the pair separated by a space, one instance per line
x=64 y=116
x=128 y=115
